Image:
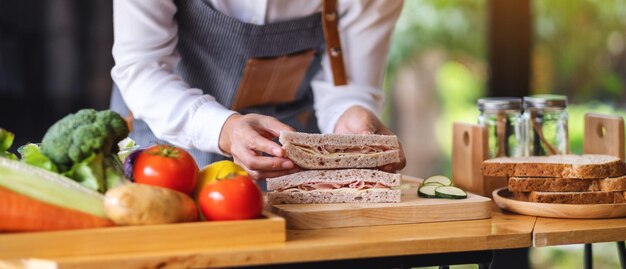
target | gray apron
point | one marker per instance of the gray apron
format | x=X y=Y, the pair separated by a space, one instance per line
x=214 y=50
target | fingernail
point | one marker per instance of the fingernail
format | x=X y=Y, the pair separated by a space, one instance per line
x=277 y=152
x=287 y=165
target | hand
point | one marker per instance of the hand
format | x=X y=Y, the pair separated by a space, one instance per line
x=358 y=120
x=247 y=137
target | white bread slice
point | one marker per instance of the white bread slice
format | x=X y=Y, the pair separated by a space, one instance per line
x=588 y=166
x=577 y=197
x=338 y=196
x=549 y=184
x=343 y=176
x=307 y=150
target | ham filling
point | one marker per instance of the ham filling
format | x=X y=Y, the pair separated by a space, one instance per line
x=328 y=150
x=357 y=185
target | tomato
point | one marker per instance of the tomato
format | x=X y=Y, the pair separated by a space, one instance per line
x=166 y=166
x=214 y=171
x=233 y=198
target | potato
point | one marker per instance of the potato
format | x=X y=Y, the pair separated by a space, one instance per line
x=139 y=204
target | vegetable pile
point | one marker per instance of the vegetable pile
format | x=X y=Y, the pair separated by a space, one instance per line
x=59 y=184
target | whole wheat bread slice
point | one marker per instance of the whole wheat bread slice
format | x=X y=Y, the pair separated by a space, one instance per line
x=313 y=161
x=577 y=197
x=548 y=184
x=613 y=184
x=307 y=139
x=588 y=166
x=342 y=176
x=335 y=196
x=300 y=148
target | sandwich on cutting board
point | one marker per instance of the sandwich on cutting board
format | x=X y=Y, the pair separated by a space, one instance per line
x=342 y=169
x=563 y=179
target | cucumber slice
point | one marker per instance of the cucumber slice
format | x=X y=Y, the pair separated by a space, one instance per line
x=445 y=181
x=433 y=183
x=450 y=192
x=427 y=191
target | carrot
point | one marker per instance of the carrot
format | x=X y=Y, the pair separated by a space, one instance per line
x=19 y=213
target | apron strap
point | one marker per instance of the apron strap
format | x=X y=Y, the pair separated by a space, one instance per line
x=333 y=43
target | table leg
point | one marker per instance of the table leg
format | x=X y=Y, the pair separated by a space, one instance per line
x=588 y=257
x=621 y=251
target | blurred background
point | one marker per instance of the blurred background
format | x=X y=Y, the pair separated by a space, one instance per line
x=55 y=58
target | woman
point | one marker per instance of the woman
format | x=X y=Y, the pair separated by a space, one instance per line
x=224 y=77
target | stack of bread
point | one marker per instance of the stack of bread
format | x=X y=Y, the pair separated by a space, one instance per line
x=563 y=179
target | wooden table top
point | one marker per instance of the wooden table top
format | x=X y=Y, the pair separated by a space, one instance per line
x=551 y=232
x=503 y=230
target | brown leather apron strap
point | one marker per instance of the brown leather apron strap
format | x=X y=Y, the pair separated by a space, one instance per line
x=333 y=43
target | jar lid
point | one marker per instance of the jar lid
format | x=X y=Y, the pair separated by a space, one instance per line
x=545 y=101
x=499 y=103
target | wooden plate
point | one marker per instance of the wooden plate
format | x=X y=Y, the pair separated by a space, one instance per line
x=504 y=199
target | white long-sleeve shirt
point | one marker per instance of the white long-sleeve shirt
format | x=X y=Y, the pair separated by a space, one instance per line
x=145 y=34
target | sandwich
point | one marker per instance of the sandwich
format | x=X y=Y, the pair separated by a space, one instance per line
x=334 y=151
x=334 y=186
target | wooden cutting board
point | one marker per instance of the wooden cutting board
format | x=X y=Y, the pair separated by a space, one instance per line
x=412 y=209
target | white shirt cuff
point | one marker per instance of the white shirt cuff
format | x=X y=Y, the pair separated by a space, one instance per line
x=207 y=126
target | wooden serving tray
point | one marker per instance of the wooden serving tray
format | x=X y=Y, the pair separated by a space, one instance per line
x=269 y=229
x=412 y=209
x=504 y=199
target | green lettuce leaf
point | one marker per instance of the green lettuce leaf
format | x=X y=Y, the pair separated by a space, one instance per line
x=6 y=140
x=31 y=154
x=89 y=172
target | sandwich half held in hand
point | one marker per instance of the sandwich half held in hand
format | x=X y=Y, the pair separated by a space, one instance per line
x=333 y=151
x=334 y=186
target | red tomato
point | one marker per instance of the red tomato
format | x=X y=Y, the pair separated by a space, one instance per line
x=166 y=166
x=233 y=198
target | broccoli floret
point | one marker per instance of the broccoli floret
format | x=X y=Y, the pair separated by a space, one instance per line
x=76 y=136
x=72 y=143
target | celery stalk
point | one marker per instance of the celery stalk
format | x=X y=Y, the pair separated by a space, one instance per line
x=49 y=187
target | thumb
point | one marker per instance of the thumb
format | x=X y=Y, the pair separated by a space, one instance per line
x=274 y=126
x=355 y=128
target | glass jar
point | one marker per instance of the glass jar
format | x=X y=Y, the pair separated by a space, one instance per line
x=545 y=125
x=502 y=117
